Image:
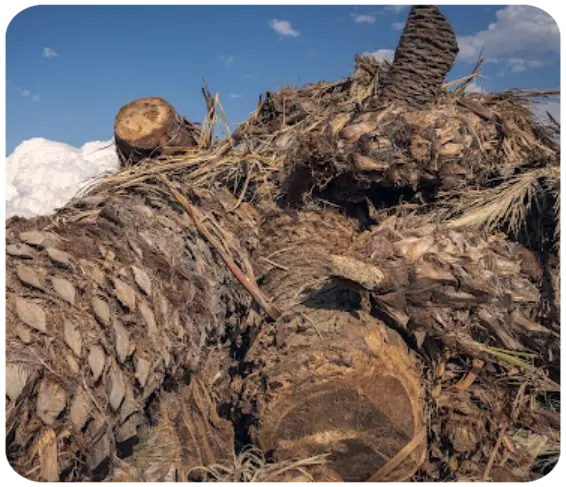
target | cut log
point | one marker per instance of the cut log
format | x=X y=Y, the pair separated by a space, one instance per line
x=426 y=52
x=333 y=383
x=147 y=125
x=329 y=378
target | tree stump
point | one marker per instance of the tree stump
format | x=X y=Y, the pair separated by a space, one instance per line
x=147 y=125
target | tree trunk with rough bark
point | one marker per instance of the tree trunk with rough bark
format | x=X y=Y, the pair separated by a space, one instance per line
x=426 y=52
x=328 y=377
x=110 y=302
x=147 y=125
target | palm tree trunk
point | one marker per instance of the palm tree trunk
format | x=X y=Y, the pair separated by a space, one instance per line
x=426 y=52
x=109 y=302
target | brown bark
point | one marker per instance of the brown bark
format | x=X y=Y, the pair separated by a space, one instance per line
x=146 y=126
x=426 y=52
x=328 y=377
x=109 y=302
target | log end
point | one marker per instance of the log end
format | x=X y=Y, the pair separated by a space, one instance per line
x=143 y=122
x=357 y=399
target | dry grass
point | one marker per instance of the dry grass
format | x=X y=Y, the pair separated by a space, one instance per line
x=517 y=205
x=251 y=466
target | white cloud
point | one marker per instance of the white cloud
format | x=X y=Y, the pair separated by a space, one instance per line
x=363 y=19
x=382 y=54
x=398 y=25
x=49 y=52
x=518 y=29
x=227 y=60
x=396 y=8
x=283 y=27
x=42 y=175
x=519 y=65
x=24 y=92
x=235 y=95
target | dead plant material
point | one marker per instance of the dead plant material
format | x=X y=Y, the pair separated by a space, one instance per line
x=400 y=249
x=254 y=291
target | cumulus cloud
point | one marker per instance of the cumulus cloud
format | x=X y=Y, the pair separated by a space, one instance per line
x=382 y=54
x=235 y=95
x=49 y=52
x=398 y=25
x=26 y=92
x=518 y=29
x=284 y=28
x=227 y=60
x=42 y=175
x=35 y=98
x=363 y=18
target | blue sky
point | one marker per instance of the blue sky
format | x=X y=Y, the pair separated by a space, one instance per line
x=70 y=68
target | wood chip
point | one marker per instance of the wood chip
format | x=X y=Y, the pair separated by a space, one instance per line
x=101 y=310
x=129 y=429
x=98 y=276
x=51 y=400
x=129 y=405
x=73 y=337
x=96 y=361
x=142 y=280
x=47 y=450
x=73 y=364
x=117 y=389
x=17 y=377
x=65 y=289
x=40 y=239
x=121 y=342
x=31 y=314
x=23 y=332
x=100 y=452
x=80 y=409
x=29 y=276
x=366 y=275
x=22 y=251
x=142 y=370
x=148 y=317
x=59 y=257
x=125 y=294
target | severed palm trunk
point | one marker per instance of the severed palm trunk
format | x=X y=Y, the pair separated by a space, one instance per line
x=426 y=52
x=110 y=302
x=329 y=378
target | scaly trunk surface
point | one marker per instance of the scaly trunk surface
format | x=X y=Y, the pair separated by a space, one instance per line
x=110 y=302
x=426 y=52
